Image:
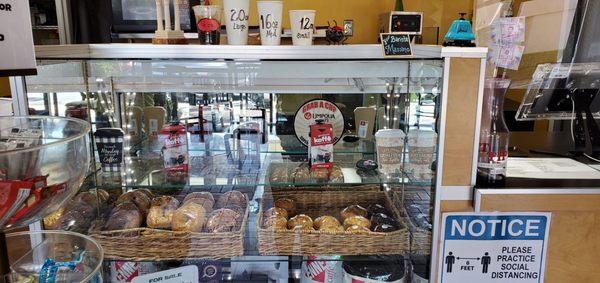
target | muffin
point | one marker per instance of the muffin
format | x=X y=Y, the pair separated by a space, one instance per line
x=326 y=221
x=332 y=228
x=206 y=203
x=137 y=197
x=232 y=198
x=286 y=203
x=221 y=220
x=161 y=212
x=276 y=211
x=357 y=220
x=300 y=220
x=275 y=223
x=357 y=229
x=190 y=218
x=125 y=216
x=199 y=195
x=353 y=210
x=377 y=208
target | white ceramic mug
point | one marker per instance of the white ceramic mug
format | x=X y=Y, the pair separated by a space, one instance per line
x=303 y=23
x=269 y=20
x=236 y=21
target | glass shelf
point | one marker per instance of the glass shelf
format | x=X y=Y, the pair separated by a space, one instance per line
x=241 y=169
x=226 y=143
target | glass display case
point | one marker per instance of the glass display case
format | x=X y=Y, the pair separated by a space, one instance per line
x=258 y=165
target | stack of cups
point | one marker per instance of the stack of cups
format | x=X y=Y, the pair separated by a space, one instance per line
x=390 y=149
x=269 y=19
x=303 y=23
x=236 y=21
x=421 y=153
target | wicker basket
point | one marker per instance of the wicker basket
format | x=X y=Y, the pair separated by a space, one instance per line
x=316 y=204
x=420 y=238
x=146 y=244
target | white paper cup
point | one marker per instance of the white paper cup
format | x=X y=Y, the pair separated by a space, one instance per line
x=269 y=19
x=303 y=23
x=390 y=150
x=421 y=147
x=236 y=21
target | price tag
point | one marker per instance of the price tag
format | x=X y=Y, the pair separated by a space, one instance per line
x=17 y=55
x=396 y=45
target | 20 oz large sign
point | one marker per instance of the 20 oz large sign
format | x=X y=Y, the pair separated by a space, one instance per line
x=17 y=55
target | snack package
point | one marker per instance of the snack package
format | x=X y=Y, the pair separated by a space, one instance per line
x=175 y=147
x=320 y=147
x=12 y=195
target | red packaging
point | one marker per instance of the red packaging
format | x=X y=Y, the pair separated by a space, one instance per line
x=175 y=148
x=320 y=147
x=126 y=271
x=322 y=269
x=12 y=195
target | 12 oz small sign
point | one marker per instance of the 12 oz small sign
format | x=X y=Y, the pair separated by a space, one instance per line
x=396 y=45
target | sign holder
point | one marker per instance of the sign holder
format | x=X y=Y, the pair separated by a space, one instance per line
x=17 y=54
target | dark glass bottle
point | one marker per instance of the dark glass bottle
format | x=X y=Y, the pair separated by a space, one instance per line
x=494 y=136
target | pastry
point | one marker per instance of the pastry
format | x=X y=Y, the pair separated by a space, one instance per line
x=353 y=210
x=190 y=218
x=78 y=218
x=125 y=216
x=276 y=211
x=147 y=192
x=238 y=210
x=321 y=175
x=358 y=229
x=137 y=197
x=385 y=228
x=336 y=176
x=279 y=174
x=51 y=221
x=332 y=228
x=288 y=204
x=199 y=195
x=302 y=220
x=90 y=198
x=206 y=203
x=161 y=212
x=301 y=228
x=221 y=220
x=380 y=218
x=276 y=223
x=357 y=220
x=326 y=221
x=377 y=208
x=232 y=198
x=302 y=174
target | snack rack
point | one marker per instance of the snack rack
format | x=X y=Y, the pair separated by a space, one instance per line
x=278 y=80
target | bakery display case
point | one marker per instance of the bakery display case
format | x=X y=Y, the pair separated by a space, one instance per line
x=257 y=163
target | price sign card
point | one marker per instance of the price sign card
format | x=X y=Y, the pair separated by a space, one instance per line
x=494 y=247
x=17 y=55
x=186 y=274
x=396 y=45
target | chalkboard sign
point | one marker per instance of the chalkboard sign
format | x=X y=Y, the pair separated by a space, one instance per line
x=396 y=45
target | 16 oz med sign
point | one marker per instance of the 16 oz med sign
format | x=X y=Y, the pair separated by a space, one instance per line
x=16 y=39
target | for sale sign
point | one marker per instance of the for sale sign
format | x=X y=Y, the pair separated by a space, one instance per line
x=17 y=55
x=493 y=247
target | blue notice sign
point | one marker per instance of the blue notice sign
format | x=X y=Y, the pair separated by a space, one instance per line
x=493 y=247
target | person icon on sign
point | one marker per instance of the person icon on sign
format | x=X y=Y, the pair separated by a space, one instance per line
x=450 y=259
x=486 y=260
